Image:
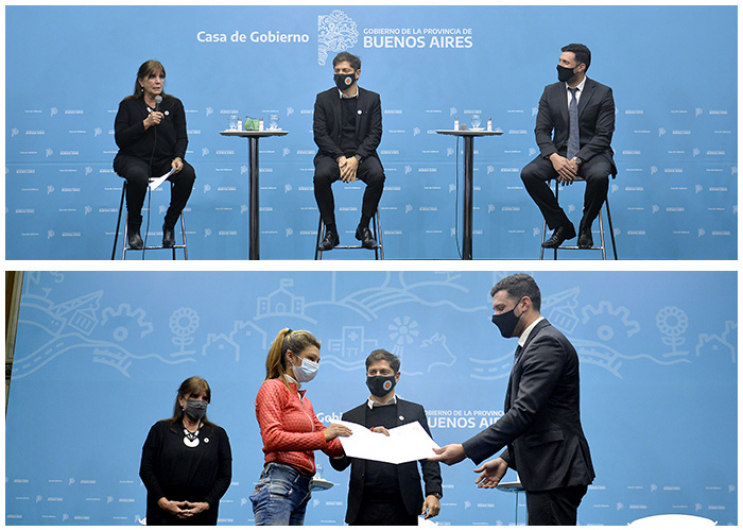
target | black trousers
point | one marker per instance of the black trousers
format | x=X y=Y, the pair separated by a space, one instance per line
x=137 y=173
x=537 y=174
x=370 y=172
x=558 y=507
x=384 y=513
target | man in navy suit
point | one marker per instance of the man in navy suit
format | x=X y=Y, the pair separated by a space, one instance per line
x=541 y=427
x=572 y=149
x=380 y=493
x=347 y=128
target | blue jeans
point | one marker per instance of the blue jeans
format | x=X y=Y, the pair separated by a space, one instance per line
x=281 y=496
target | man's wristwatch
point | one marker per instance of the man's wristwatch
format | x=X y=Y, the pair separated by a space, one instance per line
x=358 y=157
x=437 y=495
x=578 y=161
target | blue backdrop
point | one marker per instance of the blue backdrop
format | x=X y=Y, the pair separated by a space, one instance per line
x=673 y=70
x=97 y=363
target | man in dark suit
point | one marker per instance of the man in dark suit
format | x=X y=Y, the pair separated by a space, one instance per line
x=541 y=426
x=347 y=128
x=572 y=149
x=380 y=493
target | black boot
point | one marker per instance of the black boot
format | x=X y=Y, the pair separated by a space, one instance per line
x=171 y=218
x=168 y=236
x=133 y=237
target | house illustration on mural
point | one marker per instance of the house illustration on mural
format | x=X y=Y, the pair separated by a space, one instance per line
x=715 y=344
x=244 y=337
x=281 y=302
x=352 y=344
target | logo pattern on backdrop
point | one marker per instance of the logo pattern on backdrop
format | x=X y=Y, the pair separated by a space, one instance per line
x=336 y=32
x=83 y=326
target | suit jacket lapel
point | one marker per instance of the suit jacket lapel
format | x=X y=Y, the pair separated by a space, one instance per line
x=562 y=103
x=511 y=380
x=400 y=411
x=359 y=110
x=585 y=97
x=534 y=332
x=335 y=103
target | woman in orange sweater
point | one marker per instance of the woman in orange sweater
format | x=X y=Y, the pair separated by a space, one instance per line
x=290 y=430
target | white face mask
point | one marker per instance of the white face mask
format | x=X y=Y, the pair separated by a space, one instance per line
x=306 y=371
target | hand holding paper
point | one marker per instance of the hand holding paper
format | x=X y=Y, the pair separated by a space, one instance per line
x=403 y=444
x=155 y=183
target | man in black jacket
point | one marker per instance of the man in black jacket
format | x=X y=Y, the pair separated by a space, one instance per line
x=380 y=493
x=347 y=128
x=570 y=149
x=541 y=426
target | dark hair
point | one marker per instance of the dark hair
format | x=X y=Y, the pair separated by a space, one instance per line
x=354 y=61
x=147 y=69
x=188 y=387
x=519 y=285
x=286 y=340
x=383 y=355
x=581 y=51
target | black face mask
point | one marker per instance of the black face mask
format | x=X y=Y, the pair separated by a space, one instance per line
x=195 y=409
x=380 y=385
x=507 y=322
x=564 y=74
x=344 y=81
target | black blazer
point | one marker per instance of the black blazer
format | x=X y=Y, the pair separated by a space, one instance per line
x=541 y=424
x=595 y=114
x=170 y=138
x=328 y=128
x=407 y=473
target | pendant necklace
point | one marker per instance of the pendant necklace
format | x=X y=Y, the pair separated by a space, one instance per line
x=191 y=439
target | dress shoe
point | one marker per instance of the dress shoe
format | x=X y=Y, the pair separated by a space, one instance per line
x=585 y=239
x=329 y=243
x=364 y=235
x=560 y=234
x=168 y=237
x=135 y=240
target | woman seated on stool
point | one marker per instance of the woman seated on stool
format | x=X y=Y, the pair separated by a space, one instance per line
x=151 y=135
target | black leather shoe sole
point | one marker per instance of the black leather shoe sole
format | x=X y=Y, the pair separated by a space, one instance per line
x=367 y=240
x=585 y=241
x=559 y=236
x=329 y=243
x=370 y=244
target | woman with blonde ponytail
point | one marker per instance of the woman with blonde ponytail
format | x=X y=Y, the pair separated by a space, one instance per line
x=290 y=430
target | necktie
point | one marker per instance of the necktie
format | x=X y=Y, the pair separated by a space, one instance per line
x=574 y=137
x=510 y=394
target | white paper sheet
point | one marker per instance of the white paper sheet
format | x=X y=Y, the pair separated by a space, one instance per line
x=155 y=183
x=404 y=444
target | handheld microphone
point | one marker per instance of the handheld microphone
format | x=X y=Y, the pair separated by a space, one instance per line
x=158 y=100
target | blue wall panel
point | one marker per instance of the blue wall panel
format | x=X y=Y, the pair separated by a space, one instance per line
x=99 y=357
x=67 y=68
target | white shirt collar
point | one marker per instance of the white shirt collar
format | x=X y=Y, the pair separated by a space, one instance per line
x=371 y=403
x=525 y=335
x=580 y=86
x=343 y=96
